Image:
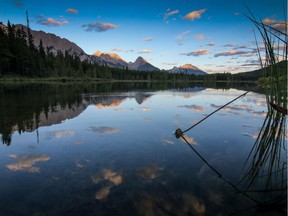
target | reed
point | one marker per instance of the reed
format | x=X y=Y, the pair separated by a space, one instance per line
x=266 y=162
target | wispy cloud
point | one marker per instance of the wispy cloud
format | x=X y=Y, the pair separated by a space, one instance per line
x=169 y=63
x=145 y=51
x=231 y=53
x=211 y=44
x=199 y=36
x=170 y=13
x=118 y=50
x=99 y=26
x=182 y=35
x=72 y=11
x=50 y=21
x=194 y=14
x=197 y=52
x=229 y=45
x=279 y=25
x=148 y=39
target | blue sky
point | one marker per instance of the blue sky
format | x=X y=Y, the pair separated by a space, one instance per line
x=215 y=36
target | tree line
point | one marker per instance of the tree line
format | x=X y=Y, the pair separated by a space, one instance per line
x=20 y=57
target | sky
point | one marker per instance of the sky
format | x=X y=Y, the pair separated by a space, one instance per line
x=213 y=35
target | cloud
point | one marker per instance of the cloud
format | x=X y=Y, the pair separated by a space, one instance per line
x=269 y=21
x=211 y=44
x=279 y=25
x=99 y=26
x=194 y=14
x=199 y=37
x=118 y=50
x=145 y=51
x=148 y=39
x=170 y=13
x=182 y=35
x=169 y=63
x=197 y=52
x=230 y=53
x=72 y=11
x=50 y=21
x=229 y=45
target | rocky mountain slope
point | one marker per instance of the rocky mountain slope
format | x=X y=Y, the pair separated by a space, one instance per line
x=187 y=69
x=55 y=43
x=142 y=65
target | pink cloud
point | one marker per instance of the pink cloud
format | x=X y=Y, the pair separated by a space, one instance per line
x=170 y=13
x=279 y=25
x=50 y=21
x=148 y=39
x=199 y=36
x=194 y=14
x=72 y=11
x=145 y=51
x=197 y=52
x=230 y=53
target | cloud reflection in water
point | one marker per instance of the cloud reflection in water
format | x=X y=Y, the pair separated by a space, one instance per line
x=104 y=130
x=194 y=107
x=149 y=173
x=107 y=176
x=26 y=162
x=151 y=204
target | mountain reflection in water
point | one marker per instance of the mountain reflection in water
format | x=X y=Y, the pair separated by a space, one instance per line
x=110 y=149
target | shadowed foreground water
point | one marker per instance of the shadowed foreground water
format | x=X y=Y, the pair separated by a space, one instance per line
x=76 y=150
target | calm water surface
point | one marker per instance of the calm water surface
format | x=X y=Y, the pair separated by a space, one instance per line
x=74 y=150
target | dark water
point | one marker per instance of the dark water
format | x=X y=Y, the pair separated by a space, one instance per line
x=110 y=149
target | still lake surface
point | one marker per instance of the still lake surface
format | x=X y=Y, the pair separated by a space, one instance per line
x=110 y=149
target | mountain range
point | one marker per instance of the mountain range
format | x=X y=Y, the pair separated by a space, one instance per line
x=55 y=43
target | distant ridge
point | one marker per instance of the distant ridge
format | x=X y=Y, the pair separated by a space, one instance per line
x=256 y=74
x=142 y=65
x=55 y=43
x=188 y=69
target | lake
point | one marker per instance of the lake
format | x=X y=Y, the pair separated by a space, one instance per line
x=110 y=149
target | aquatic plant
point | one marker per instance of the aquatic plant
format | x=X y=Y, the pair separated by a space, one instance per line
x=267 y=159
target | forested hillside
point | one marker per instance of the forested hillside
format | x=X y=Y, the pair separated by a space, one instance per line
x=20 y=57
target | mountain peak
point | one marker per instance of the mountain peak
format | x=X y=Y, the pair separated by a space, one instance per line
x=112 y=55
x=141 y=59
x=187 y=68
x=142 y=65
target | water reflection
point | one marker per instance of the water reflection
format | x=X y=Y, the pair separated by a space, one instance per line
x=137 y=166
x=104 y=130
x=28 y=107
x=150 y=173
x=26 y=162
